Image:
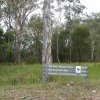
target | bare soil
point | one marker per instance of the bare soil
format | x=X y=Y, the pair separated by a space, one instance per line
x=52 y=91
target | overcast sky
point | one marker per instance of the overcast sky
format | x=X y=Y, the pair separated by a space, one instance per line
x=92 y=5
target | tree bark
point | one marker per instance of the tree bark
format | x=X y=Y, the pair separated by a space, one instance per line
x=92 y=46
x=92 y=51
x=46 y=52
x=18 y=48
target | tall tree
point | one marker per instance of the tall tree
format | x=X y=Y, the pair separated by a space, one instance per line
x=1 y=45
x=46 y=53
x=72 y=10
x=32 y=45
x=93 y=22
x=81 y=43
x=16 y=15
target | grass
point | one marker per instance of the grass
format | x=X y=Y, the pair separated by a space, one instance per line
x=19 y=74
x=18 y=82
x=31 y=74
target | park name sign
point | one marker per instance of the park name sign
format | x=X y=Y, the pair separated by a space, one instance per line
x=50 y=70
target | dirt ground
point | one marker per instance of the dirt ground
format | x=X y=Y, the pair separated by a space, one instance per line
x=52 y=91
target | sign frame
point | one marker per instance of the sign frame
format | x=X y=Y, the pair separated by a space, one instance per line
x=50 y=70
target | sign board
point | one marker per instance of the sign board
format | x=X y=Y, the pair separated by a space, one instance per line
x=78 y=69
x=65 y=70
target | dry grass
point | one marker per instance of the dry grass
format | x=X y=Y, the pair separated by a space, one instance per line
x=52 y=91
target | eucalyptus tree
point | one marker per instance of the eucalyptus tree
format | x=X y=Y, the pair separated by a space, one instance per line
x=16 y=13
x=9 y=46
x=81 y=43
x=6 y=46
x=32 y=45
x=93 y=22
x=72 y=10
x=1 y=10
x=1 y=45
x=46 y=53
x=60 y=43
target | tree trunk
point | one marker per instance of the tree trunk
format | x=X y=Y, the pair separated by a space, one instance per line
x=18 y=49
x=46 y=53
x=92 y=46
x=92 y=51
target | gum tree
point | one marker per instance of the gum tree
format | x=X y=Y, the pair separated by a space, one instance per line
x=46 y=53
x=16 y=13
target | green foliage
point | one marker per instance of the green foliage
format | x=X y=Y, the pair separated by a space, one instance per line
x=93 y=22
x=81 y=44
x=6 y=46
x=32 y=43
x=63 y=51
x=36 y=24
x=1 y=31
x=2 y=46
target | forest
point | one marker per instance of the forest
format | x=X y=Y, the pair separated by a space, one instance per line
x=75 y=34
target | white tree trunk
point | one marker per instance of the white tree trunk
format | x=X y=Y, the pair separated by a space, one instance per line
x=46 y=53
x=92 y=50
x=92 y=46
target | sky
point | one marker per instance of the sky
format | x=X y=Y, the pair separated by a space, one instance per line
x=92 y=5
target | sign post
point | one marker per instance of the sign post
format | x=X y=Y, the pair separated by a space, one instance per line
x=64 y=71
x=45 y=73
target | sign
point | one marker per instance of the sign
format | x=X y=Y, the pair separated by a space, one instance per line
x=78 y=69
x=65 y=70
